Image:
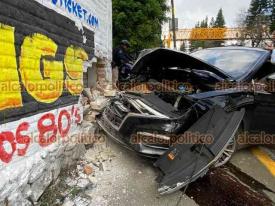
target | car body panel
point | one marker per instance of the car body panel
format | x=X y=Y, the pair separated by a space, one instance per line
x=172 y=58
x=190 y=161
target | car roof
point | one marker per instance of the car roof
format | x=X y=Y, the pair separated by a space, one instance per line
x=238 y=48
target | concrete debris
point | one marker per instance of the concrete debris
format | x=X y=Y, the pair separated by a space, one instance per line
x=100 y=87
x=38 y=187
x=111 y=180
x=99 y=156
x=93 y=179
x=71 y=182
x=109 y=91
x=37 y=170
x=88 y=94
x=86 y=109
x=99 y=201
x=84 y=101
x=80 y=201
x=91 y=116
x=99 y=104
x=96 y=94
x=68 y=202
x=83 y=183
x=87 y=136
x=18 y=199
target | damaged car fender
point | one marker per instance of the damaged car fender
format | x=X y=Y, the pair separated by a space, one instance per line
x=184 y=163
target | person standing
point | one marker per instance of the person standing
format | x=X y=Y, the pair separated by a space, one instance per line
x=121 y=61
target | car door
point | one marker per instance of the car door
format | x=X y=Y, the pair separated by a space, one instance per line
x=184 y=163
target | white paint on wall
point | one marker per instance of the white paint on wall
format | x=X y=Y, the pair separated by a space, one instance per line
x=33 y=132
x=27 y=176
x=102 y=9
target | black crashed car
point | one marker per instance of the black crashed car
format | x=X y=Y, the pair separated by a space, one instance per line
x=220 y=93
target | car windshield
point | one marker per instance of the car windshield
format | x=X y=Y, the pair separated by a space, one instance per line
x=234 y=62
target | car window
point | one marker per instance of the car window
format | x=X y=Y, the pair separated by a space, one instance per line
x=234 y=62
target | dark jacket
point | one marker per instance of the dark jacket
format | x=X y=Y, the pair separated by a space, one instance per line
x=120 y=57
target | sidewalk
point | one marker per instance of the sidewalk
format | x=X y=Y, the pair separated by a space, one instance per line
x=110 y=175
x=127 y=179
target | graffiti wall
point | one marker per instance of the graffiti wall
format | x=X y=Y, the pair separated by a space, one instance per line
x=44 y=47
x=92 y=14
x=41 y=63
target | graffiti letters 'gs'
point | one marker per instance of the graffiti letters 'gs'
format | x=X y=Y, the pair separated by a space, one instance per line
x=46 y=87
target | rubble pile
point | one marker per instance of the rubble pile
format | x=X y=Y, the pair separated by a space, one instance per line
x=76 y=184
x=76 y=187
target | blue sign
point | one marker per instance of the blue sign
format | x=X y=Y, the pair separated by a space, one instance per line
x=82 y=13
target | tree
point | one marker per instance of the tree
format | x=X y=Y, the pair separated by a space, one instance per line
x=196 y=44
x=204 y=23
x=240 y=22
x=259 y=21
x=272 y=17
x=220 y=22
x=257 y=8
x=212 y=22
x=138 y=21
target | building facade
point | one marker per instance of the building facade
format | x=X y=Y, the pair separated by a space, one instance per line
x=48 y=48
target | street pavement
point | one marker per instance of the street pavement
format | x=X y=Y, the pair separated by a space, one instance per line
x=120 y=177
x=130 y=180
x=258 y=163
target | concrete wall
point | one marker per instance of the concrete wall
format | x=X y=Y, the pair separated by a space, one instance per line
x=45 y=45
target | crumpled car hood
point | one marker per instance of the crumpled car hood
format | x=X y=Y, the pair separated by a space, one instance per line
x=171 y=58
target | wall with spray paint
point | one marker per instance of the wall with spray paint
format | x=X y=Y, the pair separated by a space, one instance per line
x=44 y=45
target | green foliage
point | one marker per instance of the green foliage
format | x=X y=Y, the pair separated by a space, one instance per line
x=271 y=6
x=263 y=9
x=204 y=23
x=212 y=22
x=260 y=20
x=220 y=22
x=196 y=44
x=257 y=8
x=138 y=21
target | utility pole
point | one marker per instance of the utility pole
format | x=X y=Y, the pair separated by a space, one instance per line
x=174 y=24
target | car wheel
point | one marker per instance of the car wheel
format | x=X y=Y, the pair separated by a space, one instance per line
x=227 y=153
